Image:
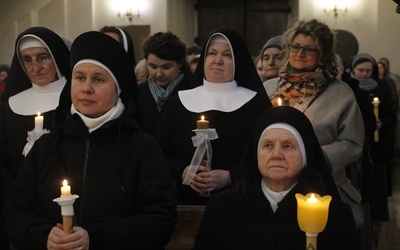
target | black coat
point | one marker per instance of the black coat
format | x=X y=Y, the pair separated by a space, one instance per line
x=126 y=195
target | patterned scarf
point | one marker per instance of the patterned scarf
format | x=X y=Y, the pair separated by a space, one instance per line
x=302 y=84
x=160 y=94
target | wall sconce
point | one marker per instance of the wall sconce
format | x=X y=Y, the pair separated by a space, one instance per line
x=129 y=14
x=335 y=10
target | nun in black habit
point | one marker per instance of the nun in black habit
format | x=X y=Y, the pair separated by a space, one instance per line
x=229 y=94
x=283 y=157
x=126 y=195
x=34 y=85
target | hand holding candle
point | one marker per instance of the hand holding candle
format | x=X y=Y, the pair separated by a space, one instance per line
x=66 y=201
x=312 y=215
x=376 y=112
x=38 y=124
x=202 y=124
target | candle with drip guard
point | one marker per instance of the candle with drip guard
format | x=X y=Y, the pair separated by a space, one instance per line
x=39 y=123
x=65 y=189
x=202 y=124
x=68 y=221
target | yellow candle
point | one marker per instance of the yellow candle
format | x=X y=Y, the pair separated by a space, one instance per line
x=65 y=189
x=312 y=212
x=39 y=123
x=376 y=112
x=202 y=124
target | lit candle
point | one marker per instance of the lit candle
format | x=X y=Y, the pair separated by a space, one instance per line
x=279 y=101
x=202 y=124
x=38 y=123
x=312 y=215
x=65 y=189
x=376 y=112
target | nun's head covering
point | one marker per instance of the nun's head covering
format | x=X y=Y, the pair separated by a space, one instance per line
x=316 y=164
x=18 y=80
x=245 y=73
x=125 y=39
x=104 y=50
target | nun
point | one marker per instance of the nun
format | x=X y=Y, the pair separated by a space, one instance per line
x=283 y=157
x=126 y=195
x=38 y=73
x=229 y=94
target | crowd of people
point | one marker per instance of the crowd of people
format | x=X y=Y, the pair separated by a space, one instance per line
x=126 y=135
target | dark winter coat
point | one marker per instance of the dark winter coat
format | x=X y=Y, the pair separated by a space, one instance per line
x=126 y=195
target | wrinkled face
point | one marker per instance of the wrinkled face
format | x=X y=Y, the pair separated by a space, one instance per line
x=259 y=69
x=302 y=61
x=272 y=61
x=218 y=65
x=93 y=90
x=279 y=157
x=39 y=65
x=363 y=70
x=162 y=72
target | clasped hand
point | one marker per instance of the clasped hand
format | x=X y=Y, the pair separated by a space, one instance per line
x=59 y=240
x=207 y=180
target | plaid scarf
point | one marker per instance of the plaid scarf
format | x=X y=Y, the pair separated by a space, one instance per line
x=302 y=84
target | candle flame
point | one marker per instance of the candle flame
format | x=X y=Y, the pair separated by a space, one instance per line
x=38 y=113
x=279 y=101
x=312 y=196
x=65 y=183
x=202 y=117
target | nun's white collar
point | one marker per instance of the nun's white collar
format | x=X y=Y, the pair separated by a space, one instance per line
x=38 y=98
x=225 y=97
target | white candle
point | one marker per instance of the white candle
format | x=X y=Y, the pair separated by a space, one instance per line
x=65 y=189
x=39 y=123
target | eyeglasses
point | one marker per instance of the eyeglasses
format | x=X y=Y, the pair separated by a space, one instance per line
x=41 y=60
x=306 y=50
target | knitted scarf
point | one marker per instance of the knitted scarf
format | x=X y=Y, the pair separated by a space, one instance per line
x=294 y=85
x=366 y=84
x=160 y=94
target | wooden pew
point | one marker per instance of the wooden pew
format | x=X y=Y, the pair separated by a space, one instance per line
x=189 y=218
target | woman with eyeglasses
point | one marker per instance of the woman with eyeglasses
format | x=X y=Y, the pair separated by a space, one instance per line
x=37 y=76
x=308 y=82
